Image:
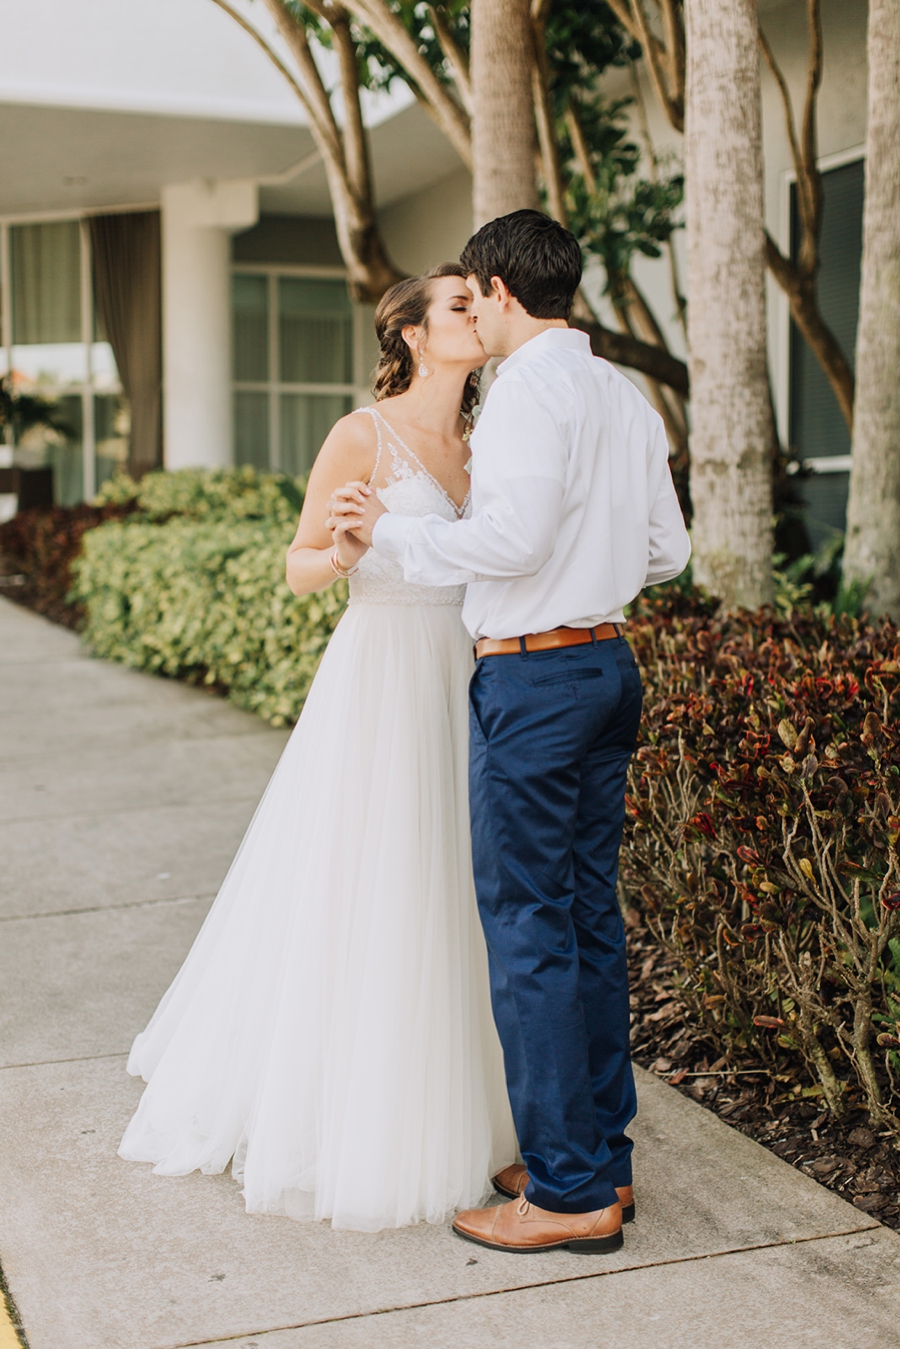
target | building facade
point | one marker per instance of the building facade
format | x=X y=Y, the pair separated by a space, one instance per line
x=169 y=272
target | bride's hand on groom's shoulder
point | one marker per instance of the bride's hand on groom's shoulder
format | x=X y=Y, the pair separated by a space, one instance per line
x=355 y=509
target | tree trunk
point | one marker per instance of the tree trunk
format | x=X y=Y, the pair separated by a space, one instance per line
x=732 y=433
x=873 y=515
x=503 y=136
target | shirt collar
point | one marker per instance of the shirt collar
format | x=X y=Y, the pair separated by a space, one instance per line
x=572 y=339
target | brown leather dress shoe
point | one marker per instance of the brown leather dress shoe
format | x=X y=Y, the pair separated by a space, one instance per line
x=511 y=1181
x=521 y=1227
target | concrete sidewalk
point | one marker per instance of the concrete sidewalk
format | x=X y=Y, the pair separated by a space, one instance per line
x=122 y=798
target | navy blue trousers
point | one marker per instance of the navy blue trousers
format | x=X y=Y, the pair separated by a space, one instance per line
x=551 y=736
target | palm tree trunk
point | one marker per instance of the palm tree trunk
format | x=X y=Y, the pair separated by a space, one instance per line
x=503 y=134
x=873 y=515
x=732 y=433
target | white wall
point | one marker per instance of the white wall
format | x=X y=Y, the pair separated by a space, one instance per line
x=431 y=226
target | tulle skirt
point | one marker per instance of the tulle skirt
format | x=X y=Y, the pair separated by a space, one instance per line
x=330 y=1031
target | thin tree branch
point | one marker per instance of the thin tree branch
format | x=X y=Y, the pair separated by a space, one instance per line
x=319 y=102
x=623 y=349
x=389 y=29
x=622 y=11
x=797 y=277
x=813 y=84
x=579 y=145
x=680 y=302
x=655 y=55
x=673 y=27
x=647 y=324
x=356 y=146
x=796 y=156
x=543 y=111
x=808 y=135
x=805 y=312
x=668 y=403
x=454 y=56
x=321 y=132
x=633 y=18
x=369 y=269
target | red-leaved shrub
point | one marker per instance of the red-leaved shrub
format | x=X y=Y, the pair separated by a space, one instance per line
x=764 y=807
x=41 y=544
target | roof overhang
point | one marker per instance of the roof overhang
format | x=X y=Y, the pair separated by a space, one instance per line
x=58 y=159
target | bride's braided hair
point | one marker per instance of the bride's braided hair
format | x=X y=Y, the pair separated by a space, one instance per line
x=405 y=305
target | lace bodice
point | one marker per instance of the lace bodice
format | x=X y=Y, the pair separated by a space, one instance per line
x=406 y=487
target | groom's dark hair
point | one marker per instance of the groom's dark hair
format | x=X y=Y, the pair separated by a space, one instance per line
x=535 y=256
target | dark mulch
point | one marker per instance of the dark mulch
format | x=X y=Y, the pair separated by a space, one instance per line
x=777 y=1109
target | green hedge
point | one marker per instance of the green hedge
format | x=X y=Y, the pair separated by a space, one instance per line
x=192 y=586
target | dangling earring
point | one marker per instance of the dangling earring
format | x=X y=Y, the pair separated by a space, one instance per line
x=424 y=372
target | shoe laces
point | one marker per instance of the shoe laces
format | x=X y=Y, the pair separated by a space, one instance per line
x=522 y=1207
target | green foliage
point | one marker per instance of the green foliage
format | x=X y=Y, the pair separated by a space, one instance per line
x=192 y=585
x=765 y=838
x=814 y=580
x=620 y=215
x=207 y=494
x=615 y=213
x=377 y=67
x=582 y=40
x=23 y=411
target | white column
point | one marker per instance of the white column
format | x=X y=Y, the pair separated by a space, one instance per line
x=198 y=219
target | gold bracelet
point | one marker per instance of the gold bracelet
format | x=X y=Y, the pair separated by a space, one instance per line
x=338 y=569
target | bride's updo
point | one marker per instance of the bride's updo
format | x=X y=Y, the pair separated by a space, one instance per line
x=405 y=305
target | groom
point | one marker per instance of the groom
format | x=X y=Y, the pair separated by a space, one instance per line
x=573 y=512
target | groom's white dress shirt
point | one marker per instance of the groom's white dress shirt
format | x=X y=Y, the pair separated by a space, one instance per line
x=573 y=506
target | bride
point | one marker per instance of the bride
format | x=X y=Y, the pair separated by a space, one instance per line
x=330 y=1031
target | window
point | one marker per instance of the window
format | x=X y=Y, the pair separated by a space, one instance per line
x=298 y=360
x=818 y=432
x=52 y=348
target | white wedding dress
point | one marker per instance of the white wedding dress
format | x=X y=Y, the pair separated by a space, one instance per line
x=330 y=1030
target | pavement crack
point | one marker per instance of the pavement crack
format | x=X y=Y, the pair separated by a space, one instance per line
x=521 y=1287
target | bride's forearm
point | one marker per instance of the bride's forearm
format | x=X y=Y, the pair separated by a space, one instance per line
x=309 y=570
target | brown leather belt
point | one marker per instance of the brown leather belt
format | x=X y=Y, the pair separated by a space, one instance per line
x=546 y=641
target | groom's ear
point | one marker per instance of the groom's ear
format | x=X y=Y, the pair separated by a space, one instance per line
x=501 y=291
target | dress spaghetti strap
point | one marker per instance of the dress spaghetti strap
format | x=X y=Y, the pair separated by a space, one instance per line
x=377 y=420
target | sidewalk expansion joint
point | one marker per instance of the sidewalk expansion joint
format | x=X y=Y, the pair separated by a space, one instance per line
x=106 y=908
x=104 y=811
x=115 y=747
x=522 y=1287
x=50 y=1063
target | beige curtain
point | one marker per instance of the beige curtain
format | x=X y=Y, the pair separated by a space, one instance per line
x=46 y=282
x=126 y=262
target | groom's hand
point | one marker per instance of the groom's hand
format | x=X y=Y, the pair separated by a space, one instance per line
x=358 y=509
